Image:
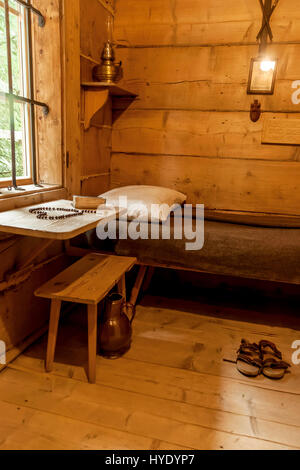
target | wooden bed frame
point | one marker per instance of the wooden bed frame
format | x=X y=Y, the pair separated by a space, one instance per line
x=146 y=271
x=144 y=276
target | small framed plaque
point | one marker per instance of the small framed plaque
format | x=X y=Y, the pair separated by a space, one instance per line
x=262 y=77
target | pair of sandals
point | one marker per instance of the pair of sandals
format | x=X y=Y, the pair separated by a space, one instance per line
x=262 y=358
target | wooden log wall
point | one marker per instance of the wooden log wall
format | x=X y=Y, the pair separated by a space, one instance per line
x=96 y=141
x=21 y=314
x=71 y=95
x=190 y=128
x=48 y=70
x=87 y=155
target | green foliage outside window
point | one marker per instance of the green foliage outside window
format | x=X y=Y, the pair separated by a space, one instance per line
x=5 y=143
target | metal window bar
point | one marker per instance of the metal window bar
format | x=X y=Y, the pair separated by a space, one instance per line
x=12 y=98
x=30 y=8
x=31 y=93
x=22 y=99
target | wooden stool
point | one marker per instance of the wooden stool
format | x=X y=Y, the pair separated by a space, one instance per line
x=87 y=281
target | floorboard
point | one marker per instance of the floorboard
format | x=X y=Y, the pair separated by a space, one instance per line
x=172 y=390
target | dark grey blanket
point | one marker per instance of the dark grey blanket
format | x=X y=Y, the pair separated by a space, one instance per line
x=238 y=250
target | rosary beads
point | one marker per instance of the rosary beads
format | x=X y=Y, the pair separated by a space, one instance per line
x=42 y=213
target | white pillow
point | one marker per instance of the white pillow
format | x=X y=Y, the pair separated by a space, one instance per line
x=140 y=199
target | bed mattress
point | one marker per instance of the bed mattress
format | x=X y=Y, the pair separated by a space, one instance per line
x=229 y=249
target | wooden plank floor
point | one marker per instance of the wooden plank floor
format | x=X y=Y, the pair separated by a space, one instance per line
x=172 y=390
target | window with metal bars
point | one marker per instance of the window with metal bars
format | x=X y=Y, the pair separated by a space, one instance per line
x=18 y=154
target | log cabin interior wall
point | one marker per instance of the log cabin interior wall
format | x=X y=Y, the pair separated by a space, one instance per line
x=22 y=316
x=96 y=141
x=190 y=128
x=76 y=30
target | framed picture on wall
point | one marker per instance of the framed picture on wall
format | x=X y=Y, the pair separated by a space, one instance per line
x=262 y=76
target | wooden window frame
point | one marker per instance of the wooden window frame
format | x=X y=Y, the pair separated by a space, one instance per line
x=49 y=67
x=27 y=98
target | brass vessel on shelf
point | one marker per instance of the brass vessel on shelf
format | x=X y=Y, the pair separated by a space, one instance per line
x=108 y=71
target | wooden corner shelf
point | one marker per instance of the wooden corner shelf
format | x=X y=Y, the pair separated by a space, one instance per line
x=96 y=95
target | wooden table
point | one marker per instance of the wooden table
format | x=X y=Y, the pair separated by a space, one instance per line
x=22 y=222
x=110 y=271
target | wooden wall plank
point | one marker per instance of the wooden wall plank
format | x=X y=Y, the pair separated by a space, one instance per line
x=205 y=78
x=93 y=28
x=255 y=186
x=96 y=185
x=21 y=312
x=10 y=203
x=190 y=22
x=96 y=150
x=96 y=141
x=71 y=28
x=86 y=68
x=208 y=134
x=206 y=96
x=216 y=63
x=48 y=70
x=189 y=62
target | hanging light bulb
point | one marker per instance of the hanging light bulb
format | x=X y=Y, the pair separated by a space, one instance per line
x=263 y=68
x=267 y=65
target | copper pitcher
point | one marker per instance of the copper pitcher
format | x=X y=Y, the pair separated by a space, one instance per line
x=115 y=329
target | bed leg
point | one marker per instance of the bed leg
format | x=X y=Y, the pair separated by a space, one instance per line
x=148 y=278
x=135 y=292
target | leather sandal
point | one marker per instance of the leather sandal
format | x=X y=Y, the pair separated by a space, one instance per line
x=249 y=361
x=273 y=366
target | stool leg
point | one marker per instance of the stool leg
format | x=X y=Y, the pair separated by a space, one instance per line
x=92 y=333
x=52 y=334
